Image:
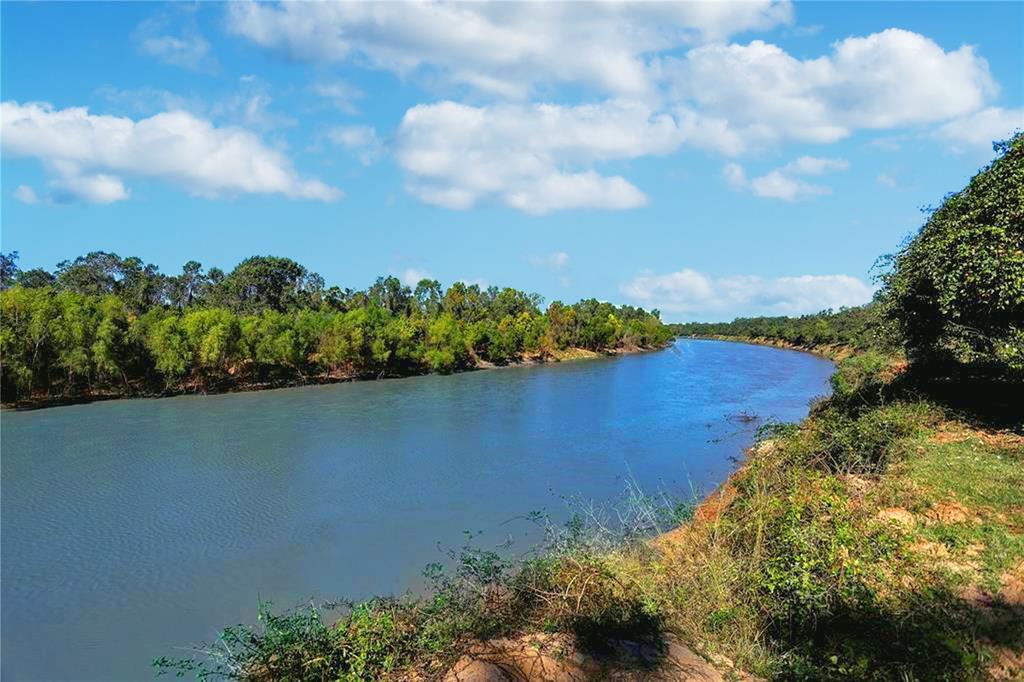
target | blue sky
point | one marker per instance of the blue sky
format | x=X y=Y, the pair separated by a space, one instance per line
x=708 y=159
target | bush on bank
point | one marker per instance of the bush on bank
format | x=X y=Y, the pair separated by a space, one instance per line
x=956 y=290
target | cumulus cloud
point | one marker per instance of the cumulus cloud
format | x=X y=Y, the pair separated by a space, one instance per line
x=250 y=106
x=694 y=294
x=147 y=101
x=360 y=139
x=888 y=180
x=87 y=155
x=536 y=158
x=412 y=276
x=96 y=188
x=667 y=73
x=26 y=195
x=784 y=183
x=557 y=260
x=976 y=132
x=187 y=51
x=501 y=48
x=341 y=95
x=757 y=93
x=185 y=47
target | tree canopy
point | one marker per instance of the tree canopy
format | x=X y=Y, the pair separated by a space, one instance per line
x=956 y=290
x=102 y=322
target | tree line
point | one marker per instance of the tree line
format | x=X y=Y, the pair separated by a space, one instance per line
x=102 y=323
x=858 y=327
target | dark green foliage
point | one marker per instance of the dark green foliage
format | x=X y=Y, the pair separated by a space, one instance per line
x=860 y=378
x=262 y=282
x=860 y=328
x=844 y=440
x=956 y=291
x=8 y=269
x=117 y=325
x=35 y=278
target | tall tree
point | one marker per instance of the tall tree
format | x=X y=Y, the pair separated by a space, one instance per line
x=8 y=269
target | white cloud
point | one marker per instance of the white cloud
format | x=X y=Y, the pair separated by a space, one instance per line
x=412 y=276
x=783 y=183
x=187 y=48
x=360 y=139
x=557 y=260
x=691 y=293
x=670 y=76
x=887 y=180
x=535 y=158
x=735 y=176
x=87 y=154
x=475 y=281
x=26 y=195
x=187 y=51
x=757 y=93
x=976 y=132
x=96 y=188
x=147 y=101
x=342 y=95
x=502 y=48
x=250 y=107
x=779 y=185
x=815 y=165
x=561 y=191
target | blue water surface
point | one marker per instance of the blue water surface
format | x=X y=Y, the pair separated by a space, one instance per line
x=131 y=528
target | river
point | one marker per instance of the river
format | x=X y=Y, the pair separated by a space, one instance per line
x=131 y=528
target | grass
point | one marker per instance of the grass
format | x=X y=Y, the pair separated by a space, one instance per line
x=882 y=538
x=965 y=489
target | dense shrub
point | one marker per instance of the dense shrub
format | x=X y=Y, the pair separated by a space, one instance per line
x=859 y=379
x=956 y=290
x=817 y=557
x=862 y=442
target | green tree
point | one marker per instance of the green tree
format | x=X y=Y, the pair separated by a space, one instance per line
x=262 y=282
x=428 y=295
x=8 y=269
x=167 y=342
x=36 y=278
x=107 y=323
x=447 y=349
x=391 y=295
x=956 y=291
x=342 y=345
x=188 y=287
x=111 y=350
x=212 y=336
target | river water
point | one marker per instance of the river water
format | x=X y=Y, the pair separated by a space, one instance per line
x=131 y=528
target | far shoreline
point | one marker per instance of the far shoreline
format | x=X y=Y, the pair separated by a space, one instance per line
x=833 y=352
x=567 y=355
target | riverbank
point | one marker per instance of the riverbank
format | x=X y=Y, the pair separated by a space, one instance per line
x=875 y=539
x=881 y=537
x=836 y=352
x=194 y=387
